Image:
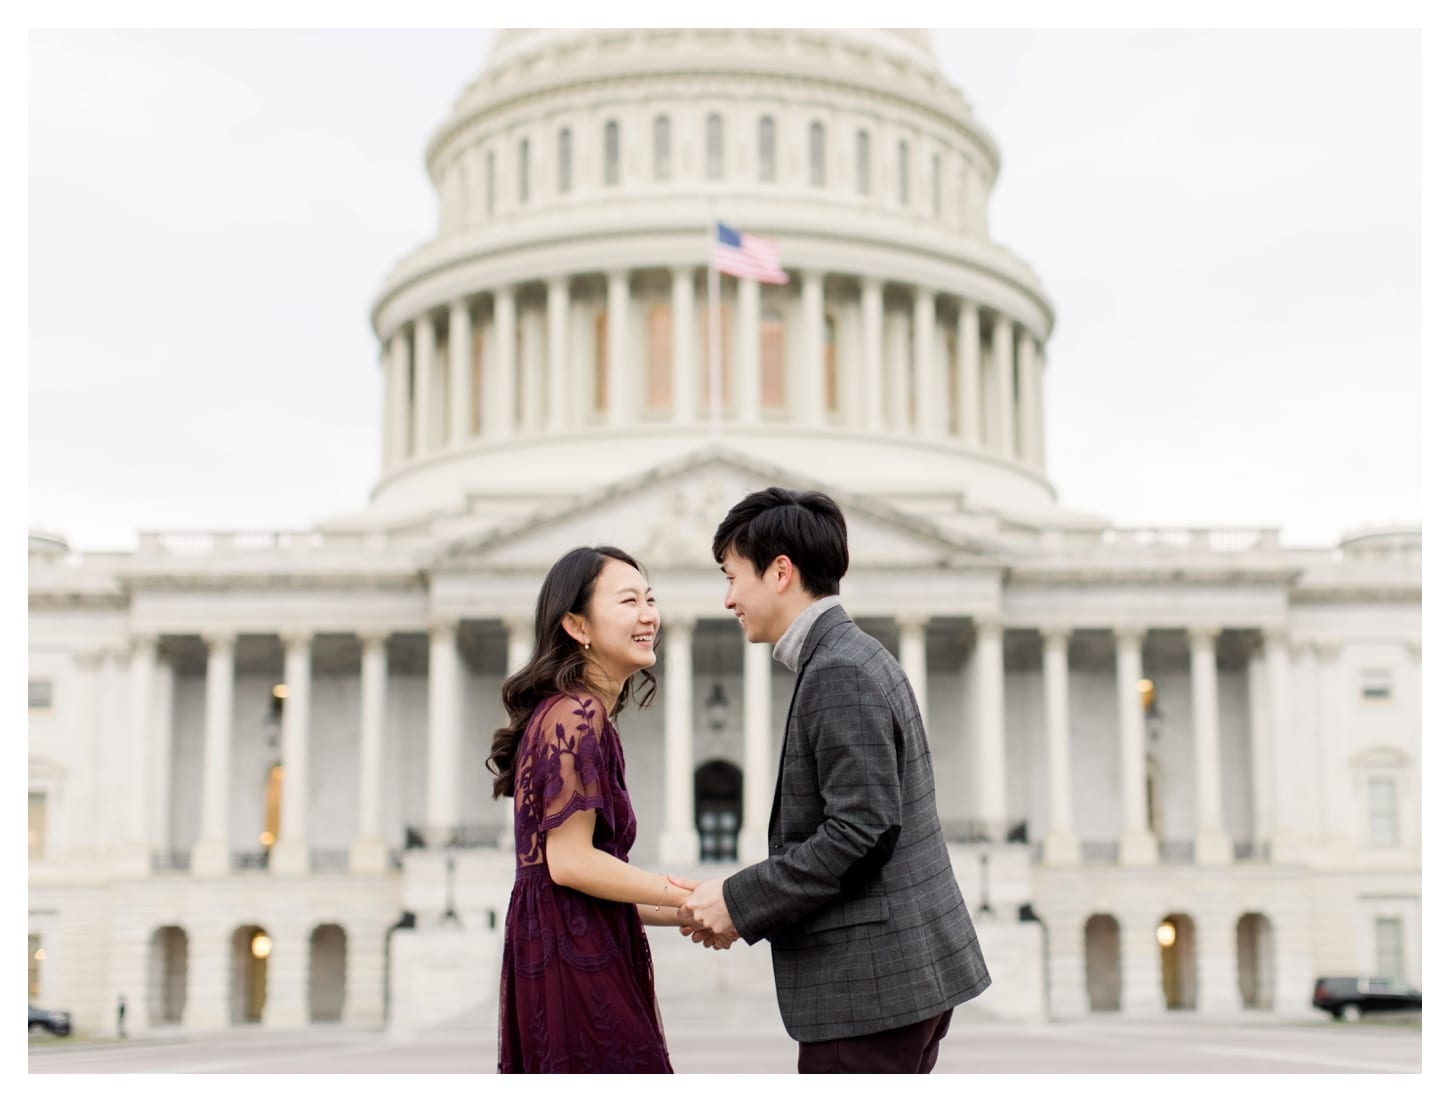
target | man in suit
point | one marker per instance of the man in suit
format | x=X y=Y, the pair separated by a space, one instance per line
x=870 y=938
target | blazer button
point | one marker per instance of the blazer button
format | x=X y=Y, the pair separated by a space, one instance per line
x=776 y=847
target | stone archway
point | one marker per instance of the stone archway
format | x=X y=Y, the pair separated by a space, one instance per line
x=719 y=809
x=1102 y=958
x=166 y=975
x=327 y=973
x=1178 y=959
x=1256 y=961
x=251 y=948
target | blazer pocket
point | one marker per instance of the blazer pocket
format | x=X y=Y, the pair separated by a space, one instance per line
x=846 y=912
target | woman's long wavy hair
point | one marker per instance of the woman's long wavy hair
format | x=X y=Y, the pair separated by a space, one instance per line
x=558 y=664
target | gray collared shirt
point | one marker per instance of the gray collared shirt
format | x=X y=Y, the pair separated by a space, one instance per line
x=789 y=646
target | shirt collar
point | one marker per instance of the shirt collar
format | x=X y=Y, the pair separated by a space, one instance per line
x=789 y=646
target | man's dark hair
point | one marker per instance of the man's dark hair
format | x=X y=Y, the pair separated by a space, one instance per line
x=806 y=526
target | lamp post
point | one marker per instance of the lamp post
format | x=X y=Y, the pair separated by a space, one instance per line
x=985 y=908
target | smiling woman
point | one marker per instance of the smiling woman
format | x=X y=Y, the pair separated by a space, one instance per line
x=577 y=991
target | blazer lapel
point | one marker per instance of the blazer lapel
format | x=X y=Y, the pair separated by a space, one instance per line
x=828 y=619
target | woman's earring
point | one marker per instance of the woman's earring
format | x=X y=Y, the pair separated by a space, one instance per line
x=586 y=646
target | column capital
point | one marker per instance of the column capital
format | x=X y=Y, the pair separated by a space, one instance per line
x=683 y=271
x=458 y=305
x=989 y=624
x=443 y=628
x=1129 y=634
x=872 y=284
x=1274 y=636
x=219 y=640
x=518 y=625
x=685 y=625
x=1413 y=646
x=502 y=290
x=1326 y=649
x=374 y=636
x=916 y=621
x=145 y=640
x=1055 y=633
x=558 y=284
x=920 y=292
x=88 y=658
x=295 y=638
x=1203 y=633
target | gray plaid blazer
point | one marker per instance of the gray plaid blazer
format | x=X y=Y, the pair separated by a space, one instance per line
x=867 y=927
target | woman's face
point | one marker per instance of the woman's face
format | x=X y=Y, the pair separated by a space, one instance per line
x=622 y=622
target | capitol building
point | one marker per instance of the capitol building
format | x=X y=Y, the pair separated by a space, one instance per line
x=1179 y=769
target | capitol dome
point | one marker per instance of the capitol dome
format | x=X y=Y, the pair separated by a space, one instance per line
x=551 y=338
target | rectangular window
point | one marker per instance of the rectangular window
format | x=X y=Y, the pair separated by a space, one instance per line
x=611 y=153
x=488 y=185
x=524 y=170
x=40 y=694
x=662 y=148
x=936 y=184
x=863 y=162
x=566 y=161
x=1384 y=820
x=37 y=826
x=903 y=173
x=660 y=349
x=1375 y=684
x=772 y=361
x=1389 y=948
x=714 y=148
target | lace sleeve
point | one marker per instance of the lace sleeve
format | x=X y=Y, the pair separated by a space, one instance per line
x=569 y=759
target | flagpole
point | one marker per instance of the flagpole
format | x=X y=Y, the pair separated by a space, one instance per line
x=713 y=323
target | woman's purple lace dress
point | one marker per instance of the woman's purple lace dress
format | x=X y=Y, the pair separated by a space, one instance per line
x=578 y=987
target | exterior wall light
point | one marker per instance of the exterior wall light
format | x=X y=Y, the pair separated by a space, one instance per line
x=1167 y=934
x=261 y=946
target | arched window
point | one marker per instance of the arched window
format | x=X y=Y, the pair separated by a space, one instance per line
x=566 y=161
x=660 y=336
x=903 y=174
x=772 y=360
x=818 y=154
x=863 y=162
x=832 y=380
x=523 y=170
x=767 y=148
x=662 y=148
x=714 y=148
x=611 y=153
x=601 y=361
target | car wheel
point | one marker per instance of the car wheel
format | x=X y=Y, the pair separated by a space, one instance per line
x=1351 y=1012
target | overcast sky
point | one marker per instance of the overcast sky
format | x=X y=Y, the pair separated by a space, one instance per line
x=1226 y=222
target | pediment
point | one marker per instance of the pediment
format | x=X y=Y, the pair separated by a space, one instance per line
x=667 y=517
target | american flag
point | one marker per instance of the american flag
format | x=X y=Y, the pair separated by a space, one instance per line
x=747 y=256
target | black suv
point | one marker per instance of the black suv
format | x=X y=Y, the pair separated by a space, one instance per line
x=1347 y=997
x=51 y=1021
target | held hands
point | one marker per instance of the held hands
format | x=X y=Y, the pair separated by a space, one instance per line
x=705 y=918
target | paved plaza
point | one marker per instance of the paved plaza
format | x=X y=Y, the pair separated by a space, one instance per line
x=744 y=1036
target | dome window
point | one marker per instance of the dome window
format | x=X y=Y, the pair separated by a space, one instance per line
x=863 y=162
x=662 y=148
x=767 y=149
x=611 y=153
x=523 y=170
x=818 y=154
x=566 y=161
x=714 y=148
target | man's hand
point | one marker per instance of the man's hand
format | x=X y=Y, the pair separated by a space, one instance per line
x=706 y=909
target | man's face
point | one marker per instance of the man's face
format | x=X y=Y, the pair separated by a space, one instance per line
x=756 y=601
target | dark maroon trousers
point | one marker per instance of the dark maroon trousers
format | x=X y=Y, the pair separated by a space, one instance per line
x=909 y=1049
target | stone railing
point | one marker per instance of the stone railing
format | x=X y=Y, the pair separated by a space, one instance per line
x=1219 y=541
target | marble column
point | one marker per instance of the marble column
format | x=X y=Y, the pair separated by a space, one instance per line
x=1212 y=846
x=558 y=400
x=443 y=734
x=134 y=856
x=927 y=413
x=289 y=855
x=212 y=854
x=424 y=354
x=1027 y=405
x=679 y=843
x=369 y=852
x=621 y=402
x=1006 y=412
x=1061 y=846
x=747 y=381
x=759 y=768
x=969 y=383
x=1261 y=748
x=682 y=345
x=398 y=414
x=811 y=406
x=1286 y=840
x=158 y=821
x=1137 y=846
x=501 y=410
x=991 y=730
x=460 y=372
x=871 y=336
x=912 y=632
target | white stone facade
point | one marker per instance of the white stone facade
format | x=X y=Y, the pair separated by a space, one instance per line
x=542 y=365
